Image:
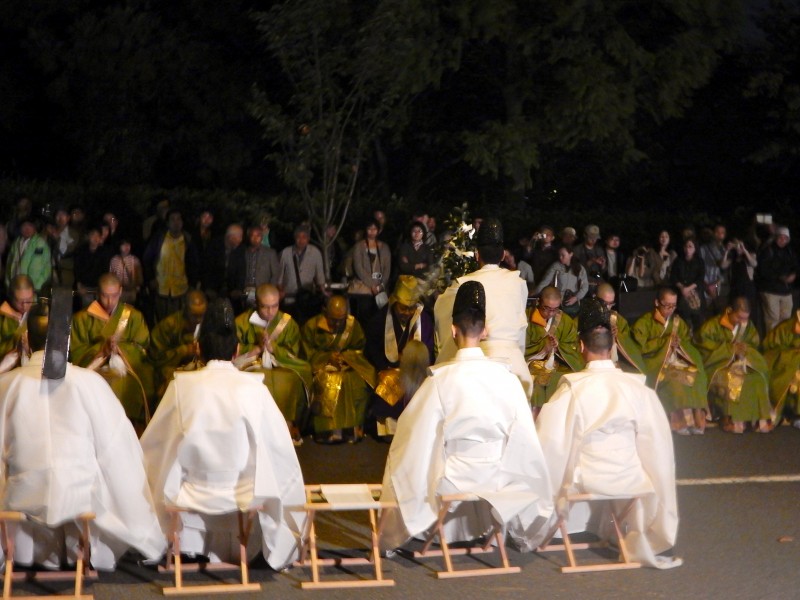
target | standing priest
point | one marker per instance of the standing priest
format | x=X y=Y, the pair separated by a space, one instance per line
x=467 y=429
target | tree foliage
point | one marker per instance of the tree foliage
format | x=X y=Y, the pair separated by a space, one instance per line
x=351 y=70
x=774 y=86
x=577 y=73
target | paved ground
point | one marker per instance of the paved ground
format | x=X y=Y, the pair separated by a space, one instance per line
x=739 y=538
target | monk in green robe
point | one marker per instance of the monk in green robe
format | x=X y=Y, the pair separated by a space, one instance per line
x=625 y=353
x=333 y=342
x=269 y=343
x=782 y=353
x=737 y=372
x=14 y=349
x=173 y=341
x=112 y=338
x=551 y=346
x=673 y=365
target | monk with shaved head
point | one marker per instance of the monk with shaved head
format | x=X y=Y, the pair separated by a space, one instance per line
x=625 y=353
x=112 y=338
x=13 y=325
x=737 y=372
x=551 y=346
x=333 y=342
x=173 y=342
x=269 y=343
x=673 y=365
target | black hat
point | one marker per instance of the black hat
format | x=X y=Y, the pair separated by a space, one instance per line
x=219 y=318
x=594 y=313
x=490 y=233
x=470 y=297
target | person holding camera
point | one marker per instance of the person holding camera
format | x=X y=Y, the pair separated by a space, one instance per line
x=742 y=271
x=569 y=276
x=662 y=257
x=640 y=268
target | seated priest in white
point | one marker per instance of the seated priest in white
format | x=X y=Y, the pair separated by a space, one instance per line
x=69 y=449
x=218 y=444
x=604 y=432
x=468 y=429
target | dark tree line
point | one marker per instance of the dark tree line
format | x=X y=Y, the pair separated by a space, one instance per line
x=340 y=101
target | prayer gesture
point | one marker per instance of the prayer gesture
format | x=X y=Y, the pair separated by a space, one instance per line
x=551 y=344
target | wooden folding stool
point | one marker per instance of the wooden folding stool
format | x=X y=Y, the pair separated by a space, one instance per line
x=497 y=535
x=8 y=523
x=174 y=562
x=617 y=517
x=334 y=498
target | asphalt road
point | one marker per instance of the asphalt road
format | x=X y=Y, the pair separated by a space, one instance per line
x=739 y=537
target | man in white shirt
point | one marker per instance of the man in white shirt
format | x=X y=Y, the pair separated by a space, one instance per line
x=69 y=449
x=467 y=429
x=218 y=444
x=506 y=297
x=604 y=432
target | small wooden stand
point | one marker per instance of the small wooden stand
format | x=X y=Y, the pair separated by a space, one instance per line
x=9 y=520
x=497 y=535
x=362 y=499
x=174 y=562
x=567 y=546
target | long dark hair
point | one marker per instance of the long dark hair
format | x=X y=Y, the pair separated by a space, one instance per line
x=574 y=263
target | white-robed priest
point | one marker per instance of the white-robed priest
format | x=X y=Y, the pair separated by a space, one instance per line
x=604 y=432
x=506 y=298
x=218 y=444
x=69 y=449
x=468 y=428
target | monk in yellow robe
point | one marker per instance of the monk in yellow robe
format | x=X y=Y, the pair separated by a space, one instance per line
x=269 y=342
x=14 y=349
x=112 y=338
x=551 y=346
x=737 y=372
x=782 y=353
x=173 y=341
x=333 y=342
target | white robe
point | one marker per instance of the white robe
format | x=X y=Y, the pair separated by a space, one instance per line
x=605 y=432
x=467 y=429
x=218 y=444
x=68 y=449
x=506 y=298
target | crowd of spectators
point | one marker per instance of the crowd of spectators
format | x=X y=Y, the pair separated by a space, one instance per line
x=161 y=260
x=169 y=253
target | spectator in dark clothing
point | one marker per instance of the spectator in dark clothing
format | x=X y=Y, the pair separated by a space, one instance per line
x=688 y=275
x=92 y=259
x=414 y=257
x=217 y=271
x=543 y=253
x=251 y=266
x=775 y=276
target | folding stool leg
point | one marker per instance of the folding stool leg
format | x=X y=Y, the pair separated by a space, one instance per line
x=617 y=520
x=8 y=546
x=376 y=552
x=245 y=526
x=567 y=545
x=84 y=553
x=312 y=547
x=175 y=550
